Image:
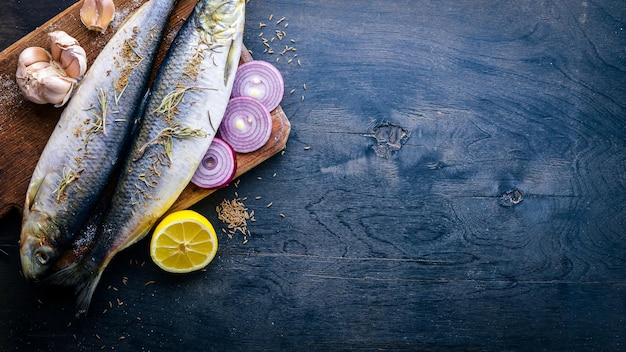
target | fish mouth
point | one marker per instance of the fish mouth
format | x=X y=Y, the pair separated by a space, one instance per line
x=37 y=257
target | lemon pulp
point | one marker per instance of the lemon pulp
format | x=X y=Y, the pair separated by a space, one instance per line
x=184 y=241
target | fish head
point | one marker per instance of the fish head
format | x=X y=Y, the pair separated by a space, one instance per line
x=221 y=18
x=38 y=245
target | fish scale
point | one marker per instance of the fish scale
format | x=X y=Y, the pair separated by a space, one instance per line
x=87 y=142
x=184 y=110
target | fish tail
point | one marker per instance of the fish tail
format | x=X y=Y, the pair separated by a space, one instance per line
x=84 y=277
x=84 y=292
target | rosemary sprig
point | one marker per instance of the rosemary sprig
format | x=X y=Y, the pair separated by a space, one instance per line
x=169 y=103
x=68 y=177
x=166 y=138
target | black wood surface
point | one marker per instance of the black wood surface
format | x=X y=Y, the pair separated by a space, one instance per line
x=454 y=180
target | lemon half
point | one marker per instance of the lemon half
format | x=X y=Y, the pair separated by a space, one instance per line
x=184 y=241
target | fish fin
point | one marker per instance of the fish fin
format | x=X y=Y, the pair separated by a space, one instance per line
x=230 y=65
x=33 y=190
x=84 y=280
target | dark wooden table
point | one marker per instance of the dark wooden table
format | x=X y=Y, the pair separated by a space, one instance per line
x=454 y=180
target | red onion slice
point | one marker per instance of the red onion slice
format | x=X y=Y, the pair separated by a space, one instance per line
x=218 y=166
x=260 y=80
x=246 y=125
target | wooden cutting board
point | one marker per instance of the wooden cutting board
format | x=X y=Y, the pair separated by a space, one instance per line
x=25 y=127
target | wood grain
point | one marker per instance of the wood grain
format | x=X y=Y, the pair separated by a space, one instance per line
x=25 y=127
x=499 y=225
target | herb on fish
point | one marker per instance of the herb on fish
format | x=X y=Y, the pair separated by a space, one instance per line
x=191 y=68
x=166 y=138
x=143 y=178
x=101 y=122
x=131 y=58
x=69 y=176
x=169 y=104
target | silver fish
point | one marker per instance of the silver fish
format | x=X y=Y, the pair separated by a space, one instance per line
x=87 y=142
x=186 y=106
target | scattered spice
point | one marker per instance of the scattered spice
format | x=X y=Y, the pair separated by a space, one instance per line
x=280 y=35
x=235 y=215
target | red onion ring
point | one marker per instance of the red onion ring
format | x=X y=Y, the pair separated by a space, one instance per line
x=218 y=166
x=246 y=125
x=260 y=80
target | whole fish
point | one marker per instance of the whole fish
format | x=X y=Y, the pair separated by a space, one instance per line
x=185 y=108
x=85 y=146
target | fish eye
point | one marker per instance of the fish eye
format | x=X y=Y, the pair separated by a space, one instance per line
x=42 y=255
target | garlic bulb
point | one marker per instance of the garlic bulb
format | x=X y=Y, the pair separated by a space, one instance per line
x=50 y=78
x=97 y=14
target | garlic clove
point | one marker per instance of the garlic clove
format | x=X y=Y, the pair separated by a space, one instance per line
x=57 y=89
x=74 y=61
x=32 y=55
x=28 y=79
x=67 y=51
x=96 y=15
x=59 y=41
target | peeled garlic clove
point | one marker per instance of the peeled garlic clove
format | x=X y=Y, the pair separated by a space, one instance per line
x=96 y=15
